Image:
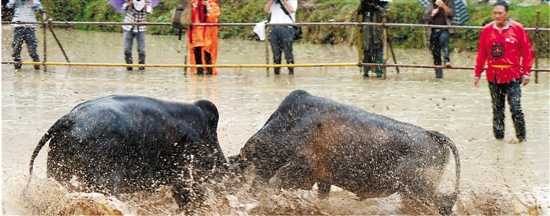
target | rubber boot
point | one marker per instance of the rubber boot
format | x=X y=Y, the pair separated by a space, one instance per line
x=438 y=73
x=366 y=70
x=290 y=69
x=129 y=62
x=141 y=68
x=17 y=66
x=277 y=71
x=378 y=70
x=36 y=67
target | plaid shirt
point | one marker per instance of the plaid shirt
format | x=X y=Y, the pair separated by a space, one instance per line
x=133 y=16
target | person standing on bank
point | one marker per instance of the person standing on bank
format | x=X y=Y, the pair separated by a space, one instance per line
x=373 y=11
x=24 y=12
x=136 y=12
x=501 y=44
x=440 y=12
x=282 y=37
x=203 y=40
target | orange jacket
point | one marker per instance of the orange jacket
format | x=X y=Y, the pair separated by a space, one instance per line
x=204 y=36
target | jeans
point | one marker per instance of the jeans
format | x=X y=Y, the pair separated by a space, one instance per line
x=281 y=39
x=512 y=91
x=24 y=34
x=439 y=41
x=128 y=40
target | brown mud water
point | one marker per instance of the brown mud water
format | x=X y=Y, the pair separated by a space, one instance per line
x=498 y=177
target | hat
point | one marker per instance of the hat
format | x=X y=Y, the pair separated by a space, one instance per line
x=139 y=4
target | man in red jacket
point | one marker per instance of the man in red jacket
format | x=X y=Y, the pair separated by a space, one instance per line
x=501 y=44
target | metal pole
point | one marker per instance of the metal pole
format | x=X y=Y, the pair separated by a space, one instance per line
x=58 y=43
x=536 y=47
x=186 y=50
x=266 y=50
x=384 y=43
x=45 y=47
x=393 y=54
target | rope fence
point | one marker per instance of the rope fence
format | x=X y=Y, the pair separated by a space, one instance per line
x=47 y=23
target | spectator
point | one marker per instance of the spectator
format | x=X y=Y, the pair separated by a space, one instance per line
x=440 y=12
x=24 y=12
x=501 y=44
x=372 y=11
x=282 y=37
x=203 y=40
x=136 y=12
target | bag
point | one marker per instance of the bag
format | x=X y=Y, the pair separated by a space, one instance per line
x=297 y=29
x=181 y=18
x=298 y=32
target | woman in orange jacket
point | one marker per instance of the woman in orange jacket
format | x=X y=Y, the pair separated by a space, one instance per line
x=203 y=40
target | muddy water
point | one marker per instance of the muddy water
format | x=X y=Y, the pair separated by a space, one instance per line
x=498 y=177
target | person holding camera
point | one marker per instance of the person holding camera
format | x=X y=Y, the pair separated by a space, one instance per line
x=203 y=40
x=24 y=12
x=373 y=11
x=282 y=37
x=440 y=12
x=136 y=12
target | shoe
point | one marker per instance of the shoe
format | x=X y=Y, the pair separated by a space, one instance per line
x=17 y=66
x=277 y=71
x=141 y=68
x=36 y=67
x=366 y=70
x=448 y=64
x=291 y=71
x=522 y=140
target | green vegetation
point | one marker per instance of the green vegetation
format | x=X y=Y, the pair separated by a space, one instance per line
x=238 y=11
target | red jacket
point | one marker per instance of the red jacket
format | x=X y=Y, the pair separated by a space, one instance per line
x=503 y=51
x=204 y=36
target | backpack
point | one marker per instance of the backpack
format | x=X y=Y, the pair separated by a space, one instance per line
x=181 y=19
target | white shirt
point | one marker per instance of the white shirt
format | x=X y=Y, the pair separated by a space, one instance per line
x=279 y=16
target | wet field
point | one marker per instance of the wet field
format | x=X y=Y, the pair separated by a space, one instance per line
x=498 y=177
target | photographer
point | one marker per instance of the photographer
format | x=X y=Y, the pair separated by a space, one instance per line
x=440 y=12
x=282 y=37
x=372 y=11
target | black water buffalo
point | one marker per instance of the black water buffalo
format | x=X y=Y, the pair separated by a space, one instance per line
x=122 y=144
x=310 y=140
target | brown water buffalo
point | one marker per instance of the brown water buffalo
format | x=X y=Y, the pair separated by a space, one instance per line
x=310 y=140
x=122 y=144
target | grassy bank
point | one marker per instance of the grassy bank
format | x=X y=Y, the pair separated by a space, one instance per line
x=238 y=11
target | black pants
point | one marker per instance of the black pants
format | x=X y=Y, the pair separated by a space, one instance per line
x=281 y=39
x=512 y=91
x=27 y=35
x=198 y=60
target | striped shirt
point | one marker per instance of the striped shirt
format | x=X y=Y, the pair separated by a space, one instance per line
x=134 y=16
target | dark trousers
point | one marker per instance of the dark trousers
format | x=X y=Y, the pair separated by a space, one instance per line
x=27 y=35
x=439 y=42
x=281 y=39
x=373 y=55
x=512 y=91
x=198 y=60
x=129 y=37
